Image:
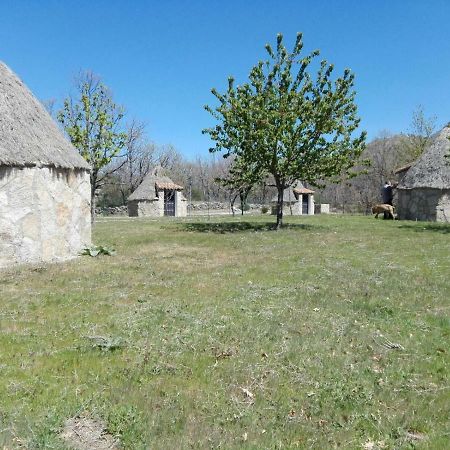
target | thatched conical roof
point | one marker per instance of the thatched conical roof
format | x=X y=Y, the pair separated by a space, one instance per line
x=28 y=135
x=148 y=189
x=432 y=169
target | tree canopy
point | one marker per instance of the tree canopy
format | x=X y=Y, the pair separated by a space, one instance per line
x=93 y=123
x=286 y=123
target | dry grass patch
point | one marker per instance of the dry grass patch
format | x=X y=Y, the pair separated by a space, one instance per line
x=85 y=433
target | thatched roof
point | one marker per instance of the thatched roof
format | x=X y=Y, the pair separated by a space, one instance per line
x=148 y=189
x=402 y=169
x=432 y=169
x=28 y=135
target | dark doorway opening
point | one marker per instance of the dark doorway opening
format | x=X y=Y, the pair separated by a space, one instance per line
x=305 y=204
x=169 y=202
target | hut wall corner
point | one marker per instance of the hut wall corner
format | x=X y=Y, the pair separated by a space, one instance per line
x=44 y=214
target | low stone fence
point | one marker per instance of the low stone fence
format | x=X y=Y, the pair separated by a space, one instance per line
x=202 y=208
x=112 y=211
x=194 y=208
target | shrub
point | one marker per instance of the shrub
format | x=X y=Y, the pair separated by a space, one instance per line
x=98 y=250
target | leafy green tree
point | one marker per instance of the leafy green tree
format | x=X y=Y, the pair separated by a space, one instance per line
x=287 y=123
x=93 y=123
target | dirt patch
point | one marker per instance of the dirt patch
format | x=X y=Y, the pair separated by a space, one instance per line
x=84 y=433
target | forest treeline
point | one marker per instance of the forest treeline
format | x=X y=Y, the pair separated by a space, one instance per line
x=383 y=156
x=123 y=167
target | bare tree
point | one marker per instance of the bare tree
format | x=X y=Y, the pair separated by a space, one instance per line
x=50 y=105
x=420 y=134
x=139 y=158
x=384 y=155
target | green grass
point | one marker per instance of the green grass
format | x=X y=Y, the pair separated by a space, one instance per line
x=235 y=336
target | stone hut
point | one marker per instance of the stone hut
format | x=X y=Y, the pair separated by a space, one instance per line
x=157 y=196
x=44 y=182
x=424 y=190
x=297 y=201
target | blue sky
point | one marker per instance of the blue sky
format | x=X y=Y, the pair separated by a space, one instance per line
x=162 y=58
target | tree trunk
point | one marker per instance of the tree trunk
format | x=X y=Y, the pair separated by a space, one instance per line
x=279 y=207
x=232 y=201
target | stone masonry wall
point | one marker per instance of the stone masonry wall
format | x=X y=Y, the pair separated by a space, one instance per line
x=180 y=204
x=296 y=208
x=44 y=214
x=424 y=204
x=146 y=208
x=155 y=208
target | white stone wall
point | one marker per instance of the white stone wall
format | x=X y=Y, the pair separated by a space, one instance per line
x=155 y=208
x=293 y=209
x=322 y=208
x=180 y=204
x=296 y=208
x=146 y=208
x=310 y=204
x=44 y=214
x=424 y=204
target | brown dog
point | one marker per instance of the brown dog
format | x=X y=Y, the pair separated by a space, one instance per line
x=383 y=208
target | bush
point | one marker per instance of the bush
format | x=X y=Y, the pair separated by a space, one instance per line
x=264 y=210
x=96 y=250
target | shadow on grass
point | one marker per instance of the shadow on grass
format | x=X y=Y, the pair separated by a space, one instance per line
x=443 y=228
x=235 y=227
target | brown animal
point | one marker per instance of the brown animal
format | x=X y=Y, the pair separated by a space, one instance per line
x=383 y=208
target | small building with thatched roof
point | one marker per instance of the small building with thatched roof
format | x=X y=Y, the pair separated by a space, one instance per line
x=424 y=190
x=44 y=182
x=297 y=201
x=157 y=196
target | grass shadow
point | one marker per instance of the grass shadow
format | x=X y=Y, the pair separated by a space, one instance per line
x=443 y=228
x=236 y=227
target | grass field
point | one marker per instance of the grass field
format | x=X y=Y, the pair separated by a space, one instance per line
x=332 y=333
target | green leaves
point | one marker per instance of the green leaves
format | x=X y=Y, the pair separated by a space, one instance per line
x=285 y=123
x=92 y=122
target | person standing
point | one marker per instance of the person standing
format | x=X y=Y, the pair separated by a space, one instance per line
x=388 y=195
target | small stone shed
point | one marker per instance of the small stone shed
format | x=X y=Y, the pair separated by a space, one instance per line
x=44 y=182
x=157 y=196
x=297 y=201
x=424 y=190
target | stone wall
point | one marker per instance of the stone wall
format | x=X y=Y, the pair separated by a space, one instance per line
x=44 y=214
x=146 y=208
x=322 y=208
x=201 y=207
x=295 y=208
x=424 y=204
x=155 y=208
x=180 y=204
x=182 y=208
x=111 y=211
